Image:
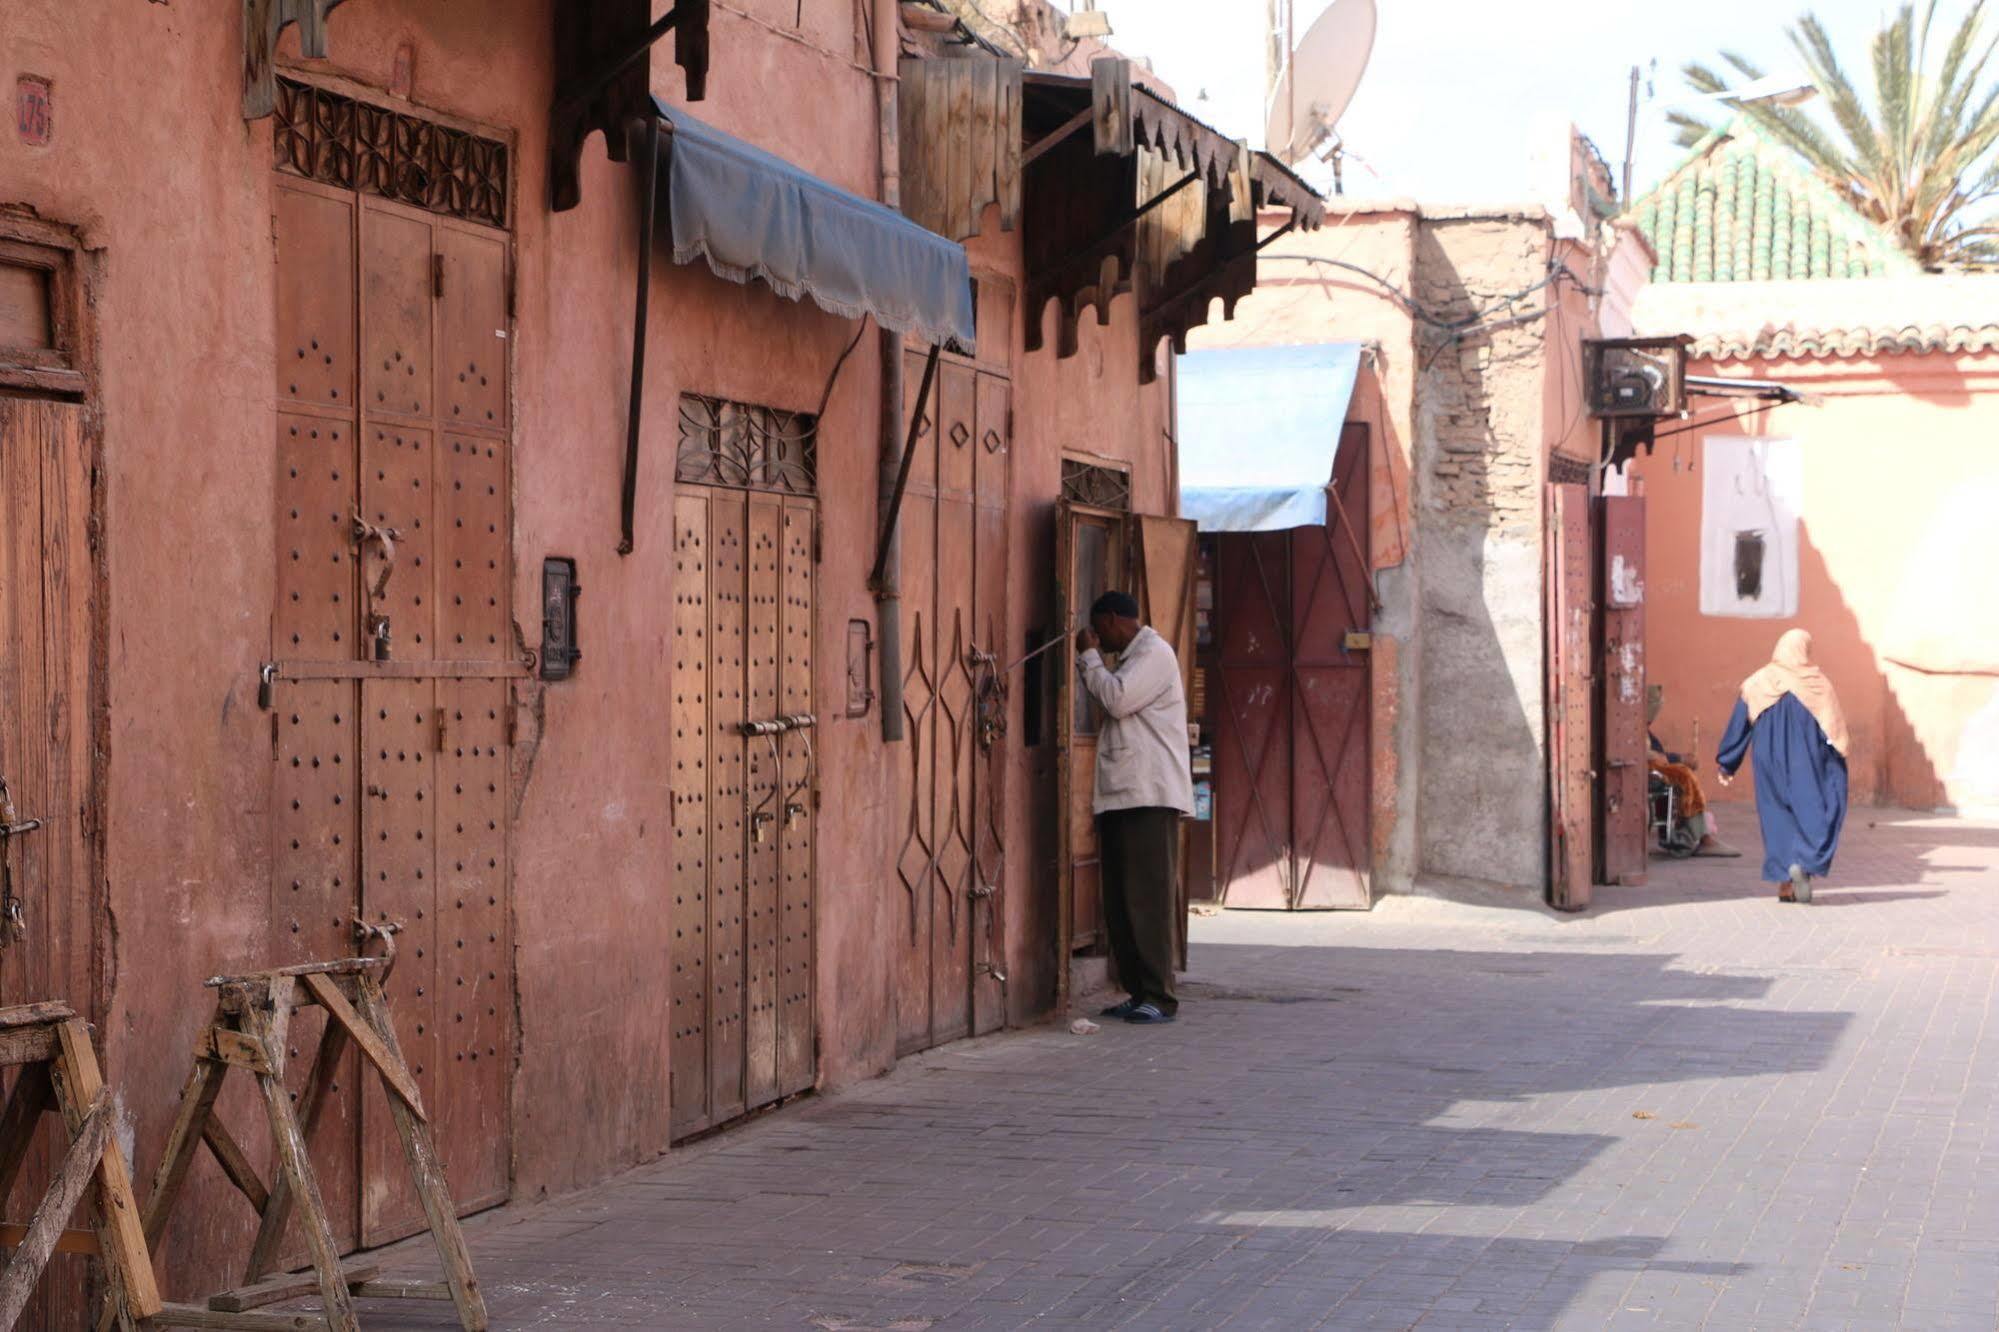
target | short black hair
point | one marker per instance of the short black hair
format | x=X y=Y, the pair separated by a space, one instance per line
x=1119 y=604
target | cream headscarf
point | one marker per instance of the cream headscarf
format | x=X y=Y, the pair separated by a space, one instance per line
x=1792 y=671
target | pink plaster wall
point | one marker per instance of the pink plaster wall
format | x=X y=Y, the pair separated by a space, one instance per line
x=1896 y=546
x=173 y=189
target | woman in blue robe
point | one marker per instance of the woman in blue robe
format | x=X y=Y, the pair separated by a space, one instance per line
x=1790 y=717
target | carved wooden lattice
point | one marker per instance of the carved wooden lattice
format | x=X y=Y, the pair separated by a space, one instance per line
x=724 y=443
x=1566 y=471
x=1097 y=485
x=357 y=145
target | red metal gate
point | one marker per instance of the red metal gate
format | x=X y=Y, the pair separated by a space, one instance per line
x=1292 y=709
x=393 y=646
x=1571 y=744
x=1624 y=767
x=954 y=566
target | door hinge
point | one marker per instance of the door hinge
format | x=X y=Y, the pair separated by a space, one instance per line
x=513 y=719
x=513 y=285
x=818 y=539
x=437 y=276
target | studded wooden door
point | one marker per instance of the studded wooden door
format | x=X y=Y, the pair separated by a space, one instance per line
x=393 y=647
x=744 y=785
x=950 y=973
x=46 y=916
x=1571 y=744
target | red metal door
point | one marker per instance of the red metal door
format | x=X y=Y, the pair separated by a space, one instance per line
x=954 y=561
x=45 y=754
x=1624 y=765
x=1332 y=602
x=1571 y=747
x=1251 y=705
x=393 y=646
x=1165 y=548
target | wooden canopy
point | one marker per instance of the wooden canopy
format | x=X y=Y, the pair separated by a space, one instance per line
x=1149 y=200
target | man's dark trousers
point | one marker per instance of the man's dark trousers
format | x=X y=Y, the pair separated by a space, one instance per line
x=1141 y=852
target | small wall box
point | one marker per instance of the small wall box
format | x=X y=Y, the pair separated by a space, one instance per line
x=559 y=590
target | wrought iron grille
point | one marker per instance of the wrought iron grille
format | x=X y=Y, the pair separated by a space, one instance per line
x=1095 y=484
x=357 y=145
x=1566 y=471
x=724 y=443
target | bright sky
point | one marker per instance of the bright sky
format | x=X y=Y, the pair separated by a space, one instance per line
x=1459 y=93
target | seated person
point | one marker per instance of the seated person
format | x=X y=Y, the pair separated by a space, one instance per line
x=1692 y=800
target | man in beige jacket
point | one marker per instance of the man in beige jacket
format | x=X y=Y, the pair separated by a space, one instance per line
x=1144 y=785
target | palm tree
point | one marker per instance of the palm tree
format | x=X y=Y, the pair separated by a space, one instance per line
x=1918 y=159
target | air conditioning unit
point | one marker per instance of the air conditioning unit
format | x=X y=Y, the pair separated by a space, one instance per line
x=1636 y=377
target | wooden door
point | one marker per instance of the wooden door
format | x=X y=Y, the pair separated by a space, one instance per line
x=1571 y=747
x=950 y=857
x=1091 y=558
x=1332 y=613
x=1165 y=548
x=46 y=916
x=744 y=784
x=1250 y=699
x=1622 y=811
x=393 y=647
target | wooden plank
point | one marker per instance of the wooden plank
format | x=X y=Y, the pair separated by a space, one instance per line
x=1011 y=164
x=312 y=1102
x=389 y=1066
x=916 y=99
x=26 y=1045
x=128 y=1263
x=980 y=148
x=13 y=1234
x=235 y=1164
x=958 y=143
x=197 y=1103
x=404 y=1290
x=1110 y=99
x=19 y=1121
x=222 y=1045
x=428 y=1174
x=289 y=1144
x=17 y=1283
x=290 y=1286
x=190 y=1315
x=346 y=966
x=26 y=1015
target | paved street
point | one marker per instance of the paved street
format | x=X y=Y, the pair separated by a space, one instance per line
x=1692 y=1107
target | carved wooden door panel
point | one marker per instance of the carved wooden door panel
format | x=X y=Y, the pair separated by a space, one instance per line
x=393 y=647
x=744 y=784
x=45 y=752
x=1252 y=719
x=950 y=972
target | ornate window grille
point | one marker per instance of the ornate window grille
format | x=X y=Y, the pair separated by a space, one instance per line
x=357 y=145
x=724 y=443
x=1566 y=471
x=1095 y=484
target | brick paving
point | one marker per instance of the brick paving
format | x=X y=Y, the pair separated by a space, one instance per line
x=1691 y=1107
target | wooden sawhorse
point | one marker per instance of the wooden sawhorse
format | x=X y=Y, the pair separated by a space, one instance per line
x=58 y=1071
x=252 y=1021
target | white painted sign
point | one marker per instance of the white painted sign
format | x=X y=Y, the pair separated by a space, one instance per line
x=1752 y=497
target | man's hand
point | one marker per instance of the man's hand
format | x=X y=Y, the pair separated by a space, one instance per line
x=1086 y=639
x=1727 y=778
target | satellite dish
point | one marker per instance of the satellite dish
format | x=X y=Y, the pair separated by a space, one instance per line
x=1327 y=65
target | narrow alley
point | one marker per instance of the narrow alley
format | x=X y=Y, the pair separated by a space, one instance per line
x=1691 y=1107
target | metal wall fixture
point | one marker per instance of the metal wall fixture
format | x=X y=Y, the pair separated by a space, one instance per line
x=559 y=590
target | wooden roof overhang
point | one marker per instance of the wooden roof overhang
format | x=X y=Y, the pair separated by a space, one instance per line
x=1116 y=189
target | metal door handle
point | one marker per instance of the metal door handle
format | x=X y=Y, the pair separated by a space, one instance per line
x=18 y=828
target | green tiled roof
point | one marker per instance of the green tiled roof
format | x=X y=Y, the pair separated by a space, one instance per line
x=1745 y=208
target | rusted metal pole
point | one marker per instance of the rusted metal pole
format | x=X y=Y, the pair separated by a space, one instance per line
x=888 y=582
x=628 y=497
x=892 y=513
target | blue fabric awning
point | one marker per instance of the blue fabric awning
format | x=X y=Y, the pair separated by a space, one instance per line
x=1258 y=429
x=751 y=214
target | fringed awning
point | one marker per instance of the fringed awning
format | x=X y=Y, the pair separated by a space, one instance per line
x=1151 y=201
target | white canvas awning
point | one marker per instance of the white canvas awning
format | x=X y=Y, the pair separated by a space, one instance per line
x=1258 y=430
